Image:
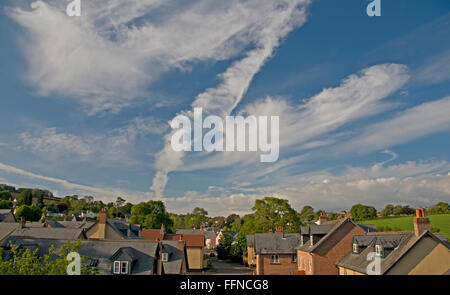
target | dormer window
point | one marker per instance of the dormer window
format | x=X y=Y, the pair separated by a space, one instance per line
x=120 y=267
x=378 y=250
x=165 y=257
x=355 y=248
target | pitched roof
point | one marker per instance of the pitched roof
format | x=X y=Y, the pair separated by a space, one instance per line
x=250 y=240
x=398 y=243
x=126 y=230
x=173 y=266
x=152 y=234
x=48 y=233
x=6 y=228
x=276 y=243
x=207 y=233
x=326 y=230
x=144 y=252
x=4 y=213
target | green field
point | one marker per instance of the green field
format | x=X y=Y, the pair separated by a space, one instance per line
x=406 y=223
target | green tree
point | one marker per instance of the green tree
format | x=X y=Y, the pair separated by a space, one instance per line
x=388 y=210
x=360 y=212
x=151 y=215
x=271 y=213
x=224 y=247
x=6 y=204
x=25 y=262
x=439 y=208
x=197 y=218
x=25 y=197
x=5 y=195
x=398 y=210
x=30 y=213
x=307 y=213
x=178 y=220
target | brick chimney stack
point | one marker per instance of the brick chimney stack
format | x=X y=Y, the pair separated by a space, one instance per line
x=421 y=222
x=322 y=218
x=163 y=230
x=102 y=216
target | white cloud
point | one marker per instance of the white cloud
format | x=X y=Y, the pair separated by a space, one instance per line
x=109 y=55
x=113 y=146
x=278 y=19
x=416 y=122
x=436 y=71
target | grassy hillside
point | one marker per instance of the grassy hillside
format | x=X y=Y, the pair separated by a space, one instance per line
x=406 y=223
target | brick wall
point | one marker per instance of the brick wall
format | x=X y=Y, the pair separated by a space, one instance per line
x=326 y=256
x=284 y=267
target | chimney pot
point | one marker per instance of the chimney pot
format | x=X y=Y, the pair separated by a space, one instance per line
x=421 y=223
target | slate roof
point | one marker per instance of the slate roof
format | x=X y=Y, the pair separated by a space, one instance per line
x=128 y=231
x=142 y=252
x=326 y=230
x=173 y=266
x=48 y=233
x=398 y=244
x=6 y=228
x=4 y=213
x=276 y=243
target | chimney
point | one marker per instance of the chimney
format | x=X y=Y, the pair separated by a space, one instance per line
x=102 y=216
x=279 y=229
x=322 y=218
x=181 y=244
x=65 y=218
x=85 y=219
x=270 y=231
x=163 y=230
x=22 y=222
x=421 y=223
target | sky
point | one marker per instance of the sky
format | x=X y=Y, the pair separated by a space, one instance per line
x=363 y=102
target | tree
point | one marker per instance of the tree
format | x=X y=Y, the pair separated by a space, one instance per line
x=197 y=218
x=30 y=213
x=271 y=213
x=224 y=247
x=25 y=197
x=151 y=215
x=398 y=210
x=307 y=213
x=62 y=207
x=119 y=202
x=439 y=208
x=388 y=210
x=178 y=220
x=361 y=212
x=25 y=262
x=5 y=195
x=6 y=204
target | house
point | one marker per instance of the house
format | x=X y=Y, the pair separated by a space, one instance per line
x=210 y=236
x=120 y=257
x=6 y=215
x=276 y=252
x=195 y=245
x=250 y=255
x=406 y=253
x=112 y=229
x=172 y=258
x=325 y=243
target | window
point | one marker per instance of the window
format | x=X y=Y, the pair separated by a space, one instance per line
x=294 y=258
x=124 y=267
x=275 y=259
x=120 y=267
x=165 y=257
x=378 y=250
x=116 y=269
x=355 y=248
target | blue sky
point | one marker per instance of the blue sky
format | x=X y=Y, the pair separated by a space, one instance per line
x=363 y=101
